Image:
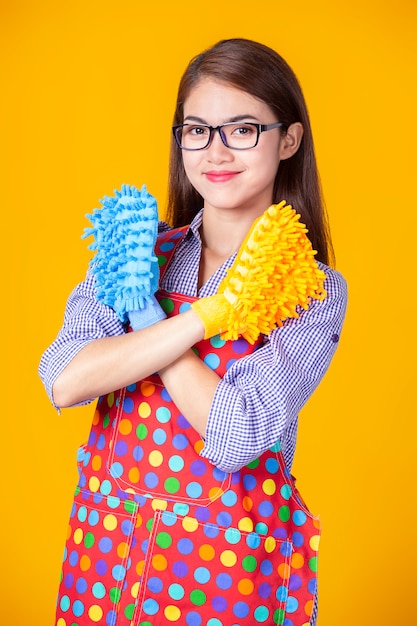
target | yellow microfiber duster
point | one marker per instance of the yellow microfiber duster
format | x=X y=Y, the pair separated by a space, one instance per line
x=273 y=275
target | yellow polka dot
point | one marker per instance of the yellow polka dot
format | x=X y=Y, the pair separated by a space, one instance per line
x=314 y=542
x=270 y=544
x=206 y=552
x=144 y=409
x=130 y=490
x=95 y=613
x=96 y=462
x=172 y=613
x=189 y=524
x=245 y=524
x=61 y=622
x=135 y=590
x=297 y=560
x=215 y=493
x=94 y=484
x=122 y=549
x=269 y=487
x=159 y=505
x=159 y=562
x=110 y=522
x=78 y=536
x=134 y=475
x=228 y=558
x=245 y=586
x=247 y=503
x=147 y=389
x=156 y=458
x=125 y=427
x=110 y=399
x=85 y=563
x=198 y=446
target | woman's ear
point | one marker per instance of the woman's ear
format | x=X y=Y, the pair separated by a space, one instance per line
x=290 y=142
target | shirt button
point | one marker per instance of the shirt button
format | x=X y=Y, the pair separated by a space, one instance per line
x=335 y=338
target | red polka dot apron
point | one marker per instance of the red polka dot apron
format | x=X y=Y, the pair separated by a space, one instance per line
x=158 y=536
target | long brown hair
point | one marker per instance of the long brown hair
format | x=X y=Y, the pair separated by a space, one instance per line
x=261 y=72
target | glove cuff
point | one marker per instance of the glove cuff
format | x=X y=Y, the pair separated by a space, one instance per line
x=149 y=315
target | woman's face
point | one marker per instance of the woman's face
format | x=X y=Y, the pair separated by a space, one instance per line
x=227 y=179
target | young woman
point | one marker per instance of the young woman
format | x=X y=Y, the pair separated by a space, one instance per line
x=185 y=511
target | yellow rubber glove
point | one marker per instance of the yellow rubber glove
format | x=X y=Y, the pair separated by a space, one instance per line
x=274 y=274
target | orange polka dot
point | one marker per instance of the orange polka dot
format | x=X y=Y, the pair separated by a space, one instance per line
x=159 y=562
x=122 y=549
x=247 y=503
x=316 y=523
x=134 y=475
x=147 y=389
x=139 y=567
x=297 y=560
x=125 y=427
x=215 y=493
x=139 y=521
x=308 y=608
x=85 y=563
x=284 y=570
x=96 y=418
x=206 y=552
x=198 y=446
x=96 y=462
x=245 y=586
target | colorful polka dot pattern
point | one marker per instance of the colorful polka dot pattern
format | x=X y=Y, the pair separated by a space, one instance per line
x=158 y=536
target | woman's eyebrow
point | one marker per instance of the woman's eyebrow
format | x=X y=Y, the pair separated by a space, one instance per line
x=237 y=118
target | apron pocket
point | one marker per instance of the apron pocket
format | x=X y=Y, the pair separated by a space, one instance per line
x=96 y=560
x=196 y=571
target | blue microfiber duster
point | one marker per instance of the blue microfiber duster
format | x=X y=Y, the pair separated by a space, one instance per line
x=125 y=265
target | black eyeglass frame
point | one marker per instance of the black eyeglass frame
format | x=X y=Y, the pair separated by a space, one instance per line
x=260 y=128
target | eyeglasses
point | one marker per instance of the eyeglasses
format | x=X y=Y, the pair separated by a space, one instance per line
x=234 y=135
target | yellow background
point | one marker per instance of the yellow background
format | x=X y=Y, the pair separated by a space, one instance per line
x=87 y=93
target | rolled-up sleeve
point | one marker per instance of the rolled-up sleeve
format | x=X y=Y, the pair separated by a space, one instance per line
x=85 y=320
x=258 y=400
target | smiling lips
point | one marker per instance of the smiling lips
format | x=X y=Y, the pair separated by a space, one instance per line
x=222 y=176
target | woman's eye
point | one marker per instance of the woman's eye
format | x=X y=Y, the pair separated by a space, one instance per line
x=197 y=130
x=243 y=130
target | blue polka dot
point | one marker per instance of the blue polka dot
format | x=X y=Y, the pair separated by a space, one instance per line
x=291 y=605
x=261 y=613
x=299 y=518
x=198 y=468
x=101 y=442
x=286 y=548
x=272 y=465
x=266 y=567
x=297 y=539
x=282 y=594
x=286 y=491
x=264 y=590
x=249 y=482
x=128 y=405
x=73 y=558
x=241 y=609
x=151 y=480
x=219 y=475
x=202 y=575
x=101 y=567
x=219 y=604
x=217 y=341
x=266 y=508
x=113 y=502
x=150 y=607
x=312 y=585
x=224 y=581
x=121 y=448
x=224 y=518
x=127 y=527
x=105 y=545
x=111 y=618
x=253 y=540
x=118 y=572
x=65 y=603
x=168 y=518
x=211 y=530
x=165 y=396
x=295 y=582
x=180 y=569
x=106 y=487
x=155 y=585
x=138 y=453
x=116 y=470
x=93 y=518
x=78 y=608
x=232 y=535
x=163 y=415
x=82 y=514
x=68 y=581
x=180 y=442
x=81 y=585
x=176 y=463
x=229 y=498
x=98 y=590
x=185 y=306
x=159 y=436
x=193 y=619
x=194 y=490
x=202 y=514
x=212 y=360
x=185 y=546
x=176 y=591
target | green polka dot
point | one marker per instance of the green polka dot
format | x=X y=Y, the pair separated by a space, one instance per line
x=129 y=610
x=167 y=305
x=161 y=260
x=115 y=594
x=284 y=513
x=253 y=464
x=198 y=597
x=129 y=506
x=163 y=540
x=313 y=564
x=279 y=616
x=149 y=524
x=89 y=540
x=106 y=420
x=141 y=432
x=172 y=485
x=249 y=563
